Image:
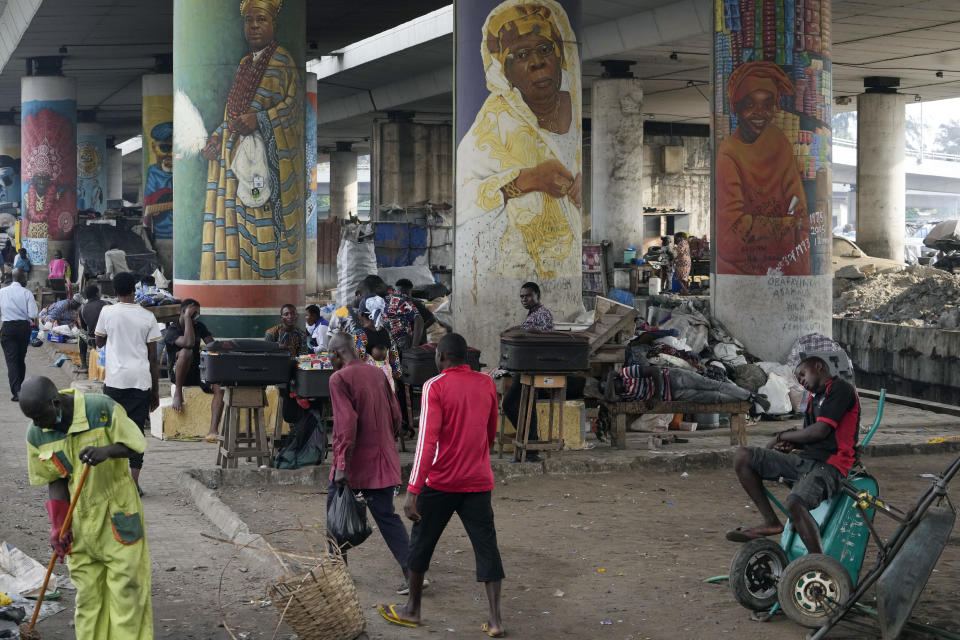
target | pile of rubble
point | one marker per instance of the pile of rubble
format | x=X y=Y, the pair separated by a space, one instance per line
x=918 y=296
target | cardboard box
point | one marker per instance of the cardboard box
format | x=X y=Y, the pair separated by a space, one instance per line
x=194 y=421
x=574 y=429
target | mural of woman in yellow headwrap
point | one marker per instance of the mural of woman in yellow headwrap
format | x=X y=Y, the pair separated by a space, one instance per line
x=518 y=166
x=762 y=219
x=253 y=216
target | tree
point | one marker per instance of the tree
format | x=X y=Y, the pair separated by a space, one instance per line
x=948 y=137
x=845 y=125
x=914 y=134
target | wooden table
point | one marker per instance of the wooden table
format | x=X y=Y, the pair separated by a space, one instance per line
x=620 y=410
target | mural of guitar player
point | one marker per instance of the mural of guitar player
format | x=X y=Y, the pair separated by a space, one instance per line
x=158 y=190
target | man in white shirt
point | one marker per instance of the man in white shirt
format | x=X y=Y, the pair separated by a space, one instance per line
x=115 y=260
x=18 y=310
x=130 y=334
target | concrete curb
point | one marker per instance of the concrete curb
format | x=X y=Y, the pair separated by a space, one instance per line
x=228 y=522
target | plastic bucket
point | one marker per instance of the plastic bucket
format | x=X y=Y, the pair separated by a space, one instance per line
x=653 y=287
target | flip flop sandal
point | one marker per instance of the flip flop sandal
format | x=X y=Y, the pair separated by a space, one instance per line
x=744 y=534
x=390 y=615
x=485 y=627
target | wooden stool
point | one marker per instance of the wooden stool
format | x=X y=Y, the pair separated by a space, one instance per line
x=529 y=383
x=253 y=437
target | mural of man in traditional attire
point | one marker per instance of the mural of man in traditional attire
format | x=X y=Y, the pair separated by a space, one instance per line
x=519 y=165
x=158 y=190
x=252 y=226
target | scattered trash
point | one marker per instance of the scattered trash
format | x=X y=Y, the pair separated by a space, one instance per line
x=558 y=593
x=684 y=475
x=606 y=622
x=601 y=570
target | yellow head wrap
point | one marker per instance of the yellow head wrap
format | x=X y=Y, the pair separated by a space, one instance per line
x=271 y=7
x=516 y=21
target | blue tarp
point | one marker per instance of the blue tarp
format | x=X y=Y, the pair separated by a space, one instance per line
x=398 y=244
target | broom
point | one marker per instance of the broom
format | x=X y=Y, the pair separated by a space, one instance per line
x=27 y=632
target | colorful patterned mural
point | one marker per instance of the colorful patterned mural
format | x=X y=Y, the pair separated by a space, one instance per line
x=9 y=163
x=49 y=165
x=91 y=170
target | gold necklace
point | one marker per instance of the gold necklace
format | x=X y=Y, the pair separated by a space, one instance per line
x=552 y=121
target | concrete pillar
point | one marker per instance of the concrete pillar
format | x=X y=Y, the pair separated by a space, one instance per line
x=881 y=178
x=343 y=181
x=91 y=167
x=616 y=155
x=421 y=163
x=509 y=230
x=394 y=136
x=10 y=164
x=310 y=167
x=114 y=173
x=49 y=167
x=240 y=213
x=157 y=149
x=771 y=276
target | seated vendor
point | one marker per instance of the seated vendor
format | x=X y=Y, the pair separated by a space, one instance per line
x=538 y=318
x=288 y=333
x=183 y=338
x=816 y=457
x=317 y=328
x=62 y=312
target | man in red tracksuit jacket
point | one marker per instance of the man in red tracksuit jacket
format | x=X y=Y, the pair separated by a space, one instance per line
x=452 y=473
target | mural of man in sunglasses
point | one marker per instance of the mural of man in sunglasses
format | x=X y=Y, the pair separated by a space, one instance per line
x=158 y=189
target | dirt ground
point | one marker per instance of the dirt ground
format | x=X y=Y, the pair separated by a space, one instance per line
x=620 y=556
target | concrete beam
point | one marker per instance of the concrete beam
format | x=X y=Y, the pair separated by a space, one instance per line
x=662 y=25
x=14 y=21
x=669 y=23
x=388 y=96
x=431 y=26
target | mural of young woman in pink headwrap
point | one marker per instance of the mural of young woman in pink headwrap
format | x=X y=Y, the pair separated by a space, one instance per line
x=762 y=219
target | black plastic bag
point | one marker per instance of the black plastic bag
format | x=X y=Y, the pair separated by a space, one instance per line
x=347 y=519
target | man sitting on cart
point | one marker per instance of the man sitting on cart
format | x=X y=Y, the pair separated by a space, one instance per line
x=826 y=446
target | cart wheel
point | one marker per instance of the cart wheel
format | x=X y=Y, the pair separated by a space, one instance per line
x=755 y=571
x=812 y=587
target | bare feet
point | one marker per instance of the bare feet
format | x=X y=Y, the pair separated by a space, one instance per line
x=211 y=437
x=177 y=401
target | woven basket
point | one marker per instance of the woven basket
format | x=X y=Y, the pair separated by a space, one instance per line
x=321 y=604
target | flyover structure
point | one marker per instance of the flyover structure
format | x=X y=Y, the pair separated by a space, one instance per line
x=648 y=96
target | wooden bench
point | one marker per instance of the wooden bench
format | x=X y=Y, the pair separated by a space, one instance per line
x=620 y=410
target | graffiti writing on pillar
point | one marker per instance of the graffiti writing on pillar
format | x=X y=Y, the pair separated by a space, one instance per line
x=792 y=296
x=772 y=114
x=519 y=179
x=49 y=171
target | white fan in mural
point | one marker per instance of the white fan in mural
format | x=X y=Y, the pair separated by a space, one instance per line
x=190 y=134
